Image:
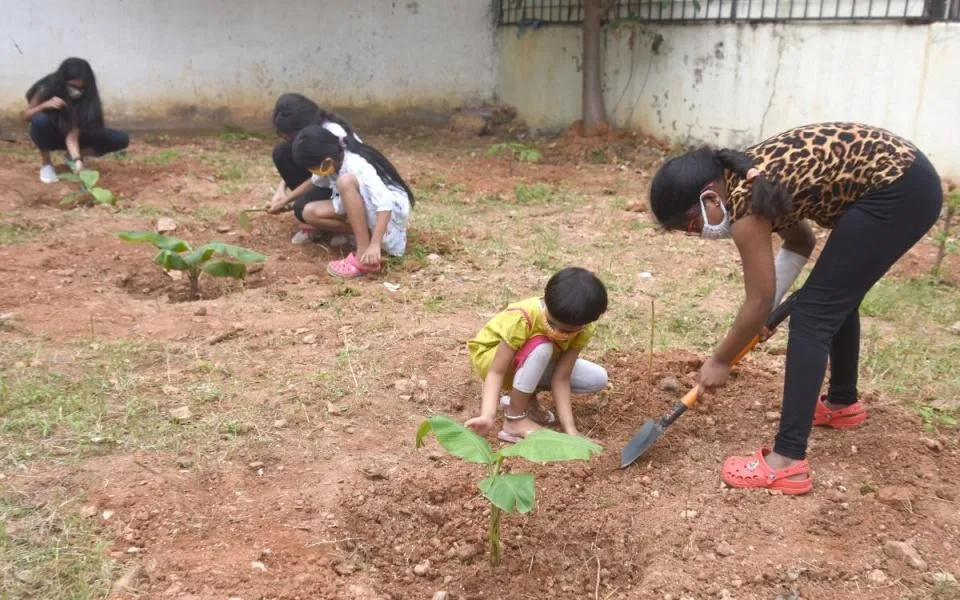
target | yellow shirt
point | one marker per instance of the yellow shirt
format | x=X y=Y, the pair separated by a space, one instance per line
x=520 y=322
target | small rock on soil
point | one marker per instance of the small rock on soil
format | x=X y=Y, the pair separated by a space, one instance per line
x=182 y=414
x=877 y=577
x=422 y=569
x=670 y=384
x=898 y=497
x=906 y=553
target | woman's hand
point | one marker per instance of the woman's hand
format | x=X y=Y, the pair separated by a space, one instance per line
x=277 y=204
x=766 y=334
x=278 y=195
x=55 y=103
x=371 y=256
x=77 y=165
x=714 y=374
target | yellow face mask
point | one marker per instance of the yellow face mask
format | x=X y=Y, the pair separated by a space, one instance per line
x=326 y=169
x=559 y=336
x=554 y=331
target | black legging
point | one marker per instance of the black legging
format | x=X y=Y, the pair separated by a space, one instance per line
x=867 y=240
x=46 y=136
x=294 y=175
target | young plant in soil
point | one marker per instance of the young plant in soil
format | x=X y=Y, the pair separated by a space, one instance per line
x=89 y=193
x=215 y=258
x=944 y=242
x=516 y=152
x=507 y=492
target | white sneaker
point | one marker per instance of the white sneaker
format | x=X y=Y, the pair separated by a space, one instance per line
x=304 y=235
x=343 y=239
x=48 y=174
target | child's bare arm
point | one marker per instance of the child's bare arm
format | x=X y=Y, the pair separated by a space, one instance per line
x=492 y=384
x=278 y=204
x=560 y=388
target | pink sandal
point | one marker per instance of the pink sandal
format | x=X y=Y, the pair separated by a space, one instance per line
x=753 y=472
x=350 y=268
x=846 y=417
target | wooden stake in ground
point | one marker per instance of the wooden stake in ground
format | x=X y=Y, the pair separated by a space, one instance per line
x=653 y=324
x=953 y=203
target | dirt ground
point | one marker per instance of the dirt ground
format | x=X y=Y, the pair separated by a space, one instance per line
x=294 y=473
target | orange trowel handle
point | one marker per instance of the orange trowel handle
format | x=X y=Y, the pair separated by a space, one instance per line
x=776 y=317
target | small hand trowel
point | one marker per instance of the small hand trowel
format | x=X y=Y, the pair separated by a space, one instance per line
x=244 y=217
x=653 y=429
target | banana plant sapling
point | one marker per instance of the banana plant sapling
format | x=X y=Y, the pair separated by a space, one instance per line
x=507 y=492
x=216 y=259
x=89 y=193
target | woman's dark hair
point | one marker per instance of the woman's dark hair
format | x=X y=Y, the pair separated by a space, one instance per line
x=85 y=113
x=292 y=112
x=575 y=297
x=314 y=144
x=678 y=183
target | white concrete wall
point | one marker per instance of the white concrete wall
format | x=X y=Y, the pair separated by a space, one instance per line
x=182 y=61
x=734 y=84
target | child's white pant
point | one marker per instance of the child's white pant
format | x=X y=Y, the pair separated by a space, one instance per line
x=537 y=371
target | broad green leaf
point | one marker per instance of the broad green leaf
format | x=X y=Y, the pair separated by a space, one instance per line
x=530 y=155
x=89 y=177
x=68 y=177
x=171 y=261
x=102 y=196
x=160 y=241
x=546 y=445
x=513 y=492
x=222 y=268
x=236 y=252
x=198 y=256
x=422 y=432
x=457 y=439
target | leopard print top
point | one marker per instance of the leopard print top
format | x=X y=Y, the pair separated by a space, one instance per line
x=825 y=168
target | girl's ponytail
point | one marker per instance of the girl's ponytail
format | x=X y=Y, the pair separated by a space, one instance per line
x=325 y=115
x=384 y=168
x=768 y=198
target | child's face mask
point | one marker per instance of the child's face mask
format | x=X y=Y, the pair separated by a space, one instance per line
x=326 y=169
x=559 y=332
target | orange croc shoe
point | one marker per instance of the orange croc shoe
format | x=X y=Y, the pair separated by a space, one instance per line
x=754 y=472
x=847 y=417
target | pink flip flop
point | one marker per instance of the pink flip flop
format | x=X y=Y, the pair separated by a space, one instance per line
x=350 y=268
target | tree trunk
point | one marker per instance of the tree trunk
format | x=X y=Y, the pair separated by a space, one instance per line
x=594 y=114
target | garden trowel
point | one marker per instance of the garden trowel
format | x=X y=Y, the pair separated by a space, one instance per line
x=654 y=428
x=244 y=217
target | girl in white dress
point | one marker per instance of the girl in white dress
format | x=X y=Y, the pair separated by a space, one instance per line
x=370 y=198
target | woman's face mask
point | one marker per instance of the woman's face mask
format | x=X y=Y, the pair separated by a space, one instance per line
x=74 y=93
x=716 y=231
